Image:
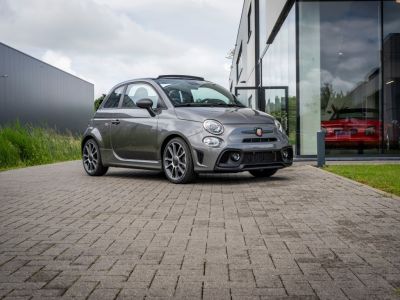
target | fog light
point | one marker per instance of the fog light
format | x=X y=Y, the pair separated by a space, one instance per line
x=285 y=154
x=235 y=156
x=212 y=141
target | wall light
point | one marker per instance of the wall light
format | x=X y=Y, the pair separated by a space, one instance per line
x=391 y=81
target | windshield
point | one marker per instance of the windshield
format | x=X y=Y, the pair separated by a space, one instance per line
x=184 y=92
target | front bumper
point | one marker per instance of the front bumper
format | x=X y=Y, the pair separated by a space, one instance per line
x=255 y=153
x=254 y=160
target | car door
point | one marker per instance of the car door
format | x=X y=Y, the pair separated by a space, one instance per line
x=134 y=131
x=107 y=112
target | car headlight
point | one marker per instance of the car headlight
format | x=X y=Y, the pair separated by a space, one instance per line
x=213 y=127
x=279 y=126
x=212 y=141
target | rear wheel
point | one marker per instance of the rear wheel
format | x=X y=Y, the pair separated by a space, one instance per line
x=178 y=162
x=91 y=159
x=263 y=173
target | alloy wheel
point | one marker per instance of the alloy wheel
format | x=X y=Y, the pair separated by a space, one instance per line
x=175 y=161
x=90 y=157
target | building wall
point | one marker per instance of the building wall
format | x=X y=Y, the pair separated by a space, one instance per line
x=38 y=93
x=247 y=77
x=338 y=68
x=268 y=13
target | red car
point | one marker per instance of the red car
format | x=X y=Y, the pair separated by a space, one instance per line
x=353 y=128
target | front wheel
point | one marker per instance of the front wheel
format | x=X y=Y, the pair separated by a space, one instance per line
x=178 y=162
x=263 y=173
x=91 y=159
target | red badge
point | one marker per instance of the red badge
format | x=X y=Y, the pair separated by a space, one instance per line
x=259 y=132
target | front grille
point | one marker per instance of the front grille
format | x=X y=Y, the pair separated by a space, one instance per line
x=259 y=140
x=253 y=158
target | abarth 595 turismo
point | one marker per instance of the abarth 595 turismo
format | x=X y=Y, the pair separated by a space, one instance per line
x=182 y=125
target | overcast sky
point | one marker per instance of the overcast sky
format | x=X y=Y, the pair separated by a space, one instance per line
x=106 y=41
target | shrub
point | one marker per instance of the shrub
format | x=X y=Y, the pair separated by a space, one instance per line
x=25 y=145
x=98 y=101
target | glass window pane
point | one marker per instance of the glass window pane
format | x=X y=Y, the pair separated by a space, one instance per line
x=339 y=76
x=113 y=99
x=279 y=75
x=138 y=91
x=391 y=77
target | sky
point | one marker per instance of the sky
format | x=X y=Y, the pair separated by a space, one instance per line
x=106 y=42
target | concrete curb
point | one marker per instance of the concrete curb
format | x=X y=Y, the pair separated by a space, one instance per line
x=383 y=193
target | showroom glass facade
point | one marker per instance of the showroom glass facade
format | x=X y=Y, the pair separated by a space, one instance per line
x=335 y=66
x=278 y=76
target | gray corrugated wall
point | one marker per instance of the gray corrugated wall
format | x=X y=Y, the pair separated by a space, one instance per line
x=37 y=93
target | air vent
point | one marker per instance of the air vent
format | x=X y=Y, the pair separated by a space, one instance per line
x=259 y=140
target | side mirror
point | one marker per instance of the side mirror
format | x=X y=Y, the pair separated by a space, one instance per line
x=146 y=104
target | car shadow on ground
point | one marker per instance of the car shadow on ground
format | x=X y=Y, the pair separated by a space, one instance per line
x=206 y=178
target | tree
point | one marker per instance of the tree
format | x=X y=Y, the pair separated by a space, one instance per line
x=98 y=101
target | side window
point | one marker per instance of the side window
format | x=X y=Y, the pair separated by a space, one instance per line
x=137 y=91
x=113 y=99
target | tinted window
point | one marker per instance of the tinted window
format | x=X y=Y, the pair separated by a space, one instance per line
x=113 y=99
x=137 y=91
x=239 y=64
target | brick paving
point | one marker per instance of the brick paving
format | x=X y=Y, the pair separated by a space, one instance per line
x=303 y=234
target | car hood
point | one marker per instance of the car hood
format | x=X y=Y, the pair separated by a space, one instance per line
x=225 y=115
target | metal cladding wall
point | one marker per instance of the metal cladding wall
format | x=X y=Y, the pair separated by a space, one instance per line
x=32 y=91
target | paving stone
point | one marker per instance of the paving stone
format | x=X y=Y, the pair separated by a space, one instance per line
x=302 y=234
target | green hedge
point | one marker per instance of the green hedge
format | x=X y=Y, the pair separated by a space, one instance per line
x=25 y=145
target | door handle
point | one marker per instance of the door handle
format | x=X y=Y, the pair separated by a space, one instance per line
x=115 y=122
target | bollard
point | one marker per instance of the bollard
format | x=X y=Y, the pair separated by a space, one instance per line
x=320 y=149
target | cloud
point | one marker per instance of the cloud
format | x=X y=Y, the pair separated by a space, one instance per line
x=111 y=41
x=58 y=60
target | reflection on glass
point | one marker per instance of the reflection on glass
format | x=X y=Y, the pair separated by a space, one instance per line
x=309 y=75
x=279 y=70
x=348 y=35
x=275 y=105
x=350 y=76
x=246 y=97
x=391 y=76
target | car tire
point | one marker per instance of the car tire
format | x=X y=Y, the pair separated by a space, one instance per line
x=178 y=162
x=263 y=173
x=91 y=159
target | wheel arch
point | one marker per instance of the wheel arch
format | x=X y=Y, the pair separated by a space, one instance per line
x=88 y=137
x=170 y=137
x=92 y=133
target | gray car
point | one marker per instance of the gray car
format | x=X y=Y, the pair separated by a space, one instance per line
x=183 y=125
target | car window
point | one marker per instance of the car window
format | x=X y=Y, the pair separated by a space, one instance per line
x=113 y=99
x=184 y=92
x=138 y=91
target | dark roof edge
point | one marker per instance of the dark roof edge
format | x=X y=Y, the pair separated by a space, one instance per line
x=181 y=76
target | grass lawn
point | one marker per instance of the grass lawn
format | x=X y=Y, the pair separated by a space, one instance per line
x=384 y=177
x=24 y=145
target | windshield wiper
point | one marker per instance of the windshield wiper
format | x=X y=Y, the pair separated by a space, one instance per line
x=208 y=105
x=227 y=104
x=191 y=104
